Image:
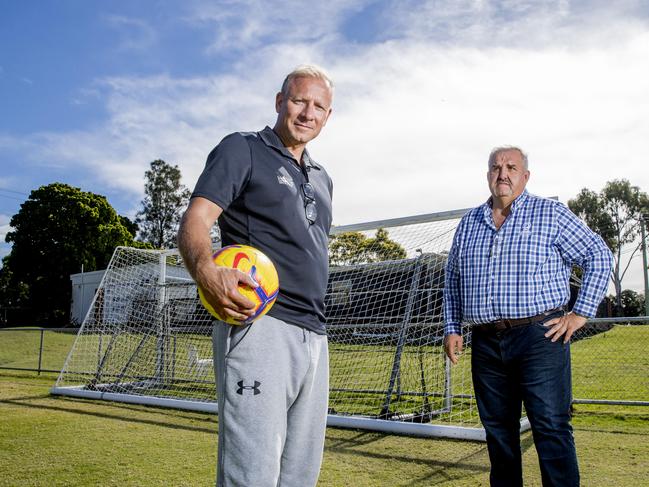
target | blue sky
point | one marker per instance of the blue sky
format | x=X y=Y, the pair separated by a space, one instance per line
x=91 y=92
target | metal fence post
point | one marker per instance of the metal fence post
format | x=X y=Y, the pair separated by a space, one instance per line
x=40 y=352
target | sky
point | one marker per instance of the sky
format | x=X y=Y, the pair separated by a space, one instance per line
x=92 y=92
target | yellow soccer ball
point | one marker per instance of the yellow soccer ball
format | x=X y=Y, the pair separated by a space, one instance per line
x=253 y=262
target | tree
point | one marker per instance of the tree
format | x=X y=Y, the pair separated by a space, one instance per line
x=632 y=303
x=165 y=198
x=615 y=214
x=351 y=248
x=57 y=230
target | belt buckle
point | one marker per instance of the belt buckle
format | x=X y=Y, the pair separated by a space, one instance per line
x=507 y=323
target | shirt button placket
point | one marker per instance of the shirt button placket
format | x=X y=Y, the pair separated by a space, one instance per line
x=495 y=251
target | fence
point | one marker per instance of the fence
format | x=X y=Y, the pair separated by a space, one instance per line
x=609 y=358
x=35 y=349
x=610 y=362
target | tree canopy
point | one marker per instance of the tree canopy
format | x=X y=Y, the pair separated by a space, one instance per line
x=58 y=229
x=632 y=303
x=351 y=248
x=614 y=213
x=165 y=198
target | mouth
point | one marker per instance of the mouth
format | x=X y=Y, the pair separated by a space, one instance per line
x=302 y=126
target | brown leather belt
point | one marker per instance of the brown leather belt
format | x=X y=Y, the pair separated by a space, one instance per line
x=506 y=324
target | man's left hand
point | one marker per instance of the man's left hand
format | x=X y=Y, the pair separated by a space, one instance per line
x=565 y=325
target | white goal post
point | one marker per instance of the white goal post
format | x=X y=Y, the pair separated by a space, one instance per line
x=146 y=338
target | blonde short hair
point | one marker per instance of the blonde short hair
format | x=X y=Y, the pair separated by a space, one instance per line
x=307 y=71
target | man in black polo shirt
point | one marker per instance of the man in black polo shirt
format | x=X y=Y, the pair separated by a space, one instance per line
x=272 y=376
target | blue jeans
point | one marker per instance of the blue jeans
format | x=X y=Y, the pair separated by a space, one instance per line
x=521 y=366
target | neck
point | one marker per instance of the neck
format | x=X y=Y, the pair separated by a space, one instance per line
x=501 y=204
x=296 y=149
x=499 y=211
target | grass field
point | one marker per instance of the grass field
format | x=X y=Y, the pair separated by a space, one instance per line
x=56 y=441
x=19 y=348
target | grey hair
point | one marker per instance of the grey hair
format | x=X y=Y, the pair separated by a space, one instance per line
x=504 y=148
x=307 y=71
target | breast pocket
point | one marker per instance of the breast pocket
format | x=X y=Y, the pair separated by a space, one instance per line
x=533 y=250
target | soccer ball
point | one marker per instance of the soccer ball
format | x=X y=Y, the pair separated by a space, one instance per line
x=253 y=262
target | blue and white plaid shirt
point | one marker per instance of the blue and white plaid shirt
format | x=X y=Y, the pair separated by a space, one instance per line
x=522 y=269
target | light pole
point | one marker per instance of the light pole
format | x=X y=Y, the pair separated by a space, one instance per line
x=643 y=220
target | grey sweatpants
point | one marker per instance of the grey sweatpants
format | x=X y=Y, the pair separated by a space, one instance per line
x=272 y=382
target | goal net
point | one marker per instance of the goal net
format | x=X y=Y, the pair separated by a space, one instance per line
x=147 y=339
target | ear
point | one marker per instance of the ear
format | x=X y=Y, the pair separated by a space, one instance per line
x=527 y=176
x=279 y=98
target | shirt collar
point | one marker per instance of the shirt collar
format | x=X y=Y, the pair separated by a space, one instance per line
x=271 y=139
x=519 y=201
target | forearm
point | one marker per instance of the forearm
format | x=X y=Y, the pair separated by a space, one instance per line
x=594 y=283
x=195 y=245
x=452 y=303
x=194 y=242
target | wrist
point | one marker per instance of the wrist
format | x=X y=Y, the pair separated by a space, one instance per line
x=579 y=315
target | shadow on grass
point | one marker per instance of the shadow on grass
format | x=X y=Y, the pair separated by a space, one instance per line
x=68 y=406
x=600 y=430
x=466 y=465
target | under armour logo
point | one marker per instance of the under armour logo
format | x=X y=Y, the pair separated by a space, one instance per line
x=254 y=388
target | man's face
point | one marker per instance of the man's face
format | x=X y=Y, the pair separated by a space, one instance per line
x=303 y=110
x=507 y=175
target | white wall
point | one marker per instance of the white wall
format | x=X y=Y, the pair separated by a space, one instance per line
x=84 y=287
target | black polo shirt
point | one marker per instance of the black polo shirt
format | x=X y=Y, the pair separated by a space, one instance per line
x=258 y=184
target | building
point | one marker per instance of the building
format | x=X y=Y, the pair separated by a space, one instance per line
x=84 y=288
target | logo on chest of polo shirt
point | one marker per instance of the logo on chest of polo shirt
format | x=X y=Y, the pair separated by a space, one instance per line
x=283 y=177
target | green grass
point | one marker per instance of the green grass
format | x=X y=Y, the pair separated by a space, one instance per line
x=19 y=348
x=56 y=441
x=50 y=441
x=612 y=365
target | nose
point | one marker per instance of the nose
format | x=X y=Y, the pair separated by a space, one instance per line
x=308 y=112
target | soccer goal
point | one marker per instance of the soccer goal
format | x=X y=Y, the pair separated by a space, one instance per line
x=147 y=339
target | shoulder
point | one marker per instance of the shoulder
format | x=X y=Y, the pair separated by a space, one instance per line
x=473 y=214
x=537 y=203
x=232 y=147
x=553 y=212
x=469 y=220
x=551 y=204
x=236 y=141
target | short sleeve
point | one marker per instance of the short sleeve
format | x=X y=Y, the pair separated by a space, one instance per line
x=227 y=171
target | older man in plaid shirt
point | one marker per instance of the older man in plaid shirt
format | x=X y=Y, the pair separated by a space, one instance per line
x=507 y=277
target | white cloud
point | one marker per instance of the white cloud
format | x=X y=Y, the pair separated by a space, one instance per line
x=251 y=24
x=534 y=24
x=415 y=115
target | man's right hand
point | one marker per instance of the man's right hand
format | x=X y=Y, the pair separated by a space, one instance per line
x=220 y=287
x=453 y=346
